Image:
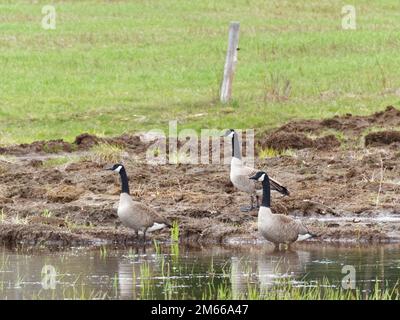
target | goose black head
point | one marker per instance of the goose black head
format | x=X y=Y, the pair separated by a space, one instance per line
x=259 y=176
x=116 y=167
x=229 y=133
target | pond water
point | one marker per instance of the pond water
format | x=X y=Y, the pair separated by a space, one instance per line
x=182 y=272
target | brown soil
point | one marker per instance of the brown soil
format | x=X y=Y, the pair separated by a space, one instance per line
x=382 y=138
x=338 y=188
x=347 y=124
x=282 y=141
x=84 y=141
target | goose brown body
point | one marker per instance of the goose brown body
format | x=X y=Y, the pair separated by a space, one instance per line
x=277 y=228
x=137 y=216
x=133 y=214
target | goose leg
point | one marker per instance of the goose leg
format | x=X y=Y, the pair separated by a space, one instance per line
x=248 y=208
x=117 y=224
x=144 y=236
x=258 y=201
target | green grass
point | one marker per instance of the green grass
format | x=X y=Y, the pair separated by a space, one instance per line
x=285 y=290
x=105 y=152
x=46 y=213
x=272 y=153
x=125 y=66
x=2 y=216
x=175 y=232
x=59 y=161
x=220 y=287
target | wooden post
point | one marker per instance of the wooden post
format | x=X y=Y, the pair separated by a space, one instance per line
x=230 y=62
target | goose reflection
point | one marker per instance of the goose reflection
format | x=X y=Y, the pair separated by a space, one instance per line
x=134 y=273
x=265 y=269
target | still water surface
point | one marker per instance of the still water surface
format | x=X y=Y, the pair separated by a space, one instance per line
x=172 y=272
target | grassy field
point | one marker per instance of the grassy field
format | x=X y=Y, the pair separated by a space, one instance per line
x=125 y=66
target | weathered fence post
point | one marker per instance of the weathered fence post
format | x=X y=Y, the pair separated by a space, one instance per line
x=230 y=62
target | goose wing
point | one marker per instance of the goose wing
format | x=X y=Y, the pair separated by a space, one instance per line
x=290 y=227
x=294 y=229
x=304 y=230
x=275 y=185
x=151 y=214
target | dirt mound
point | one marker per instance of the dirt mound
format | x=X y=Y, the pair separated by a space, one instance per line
x=283 y=141
x=382 y=138
x=129 y=142
x=84 y=141
x=326 y=142
x=52 y=146
x=65 y=193
x=348 y=123
x=293 y=135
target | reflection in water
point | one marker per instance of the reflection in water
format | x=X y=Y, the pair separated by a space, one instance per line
x=267 y=266
x=134 y=272
x=278 y=265
x=167 y=273
x=127 y=280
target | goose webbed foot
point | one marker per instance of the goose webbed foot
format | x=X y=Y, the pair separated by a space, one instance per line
x=249 y=207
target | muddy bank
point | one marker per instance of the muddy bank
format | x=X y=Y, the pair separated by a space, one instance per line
x=82 y=142
x=339 y=171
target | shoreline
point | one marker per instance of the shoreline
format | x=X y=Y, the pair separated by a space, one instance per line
x=344 y=187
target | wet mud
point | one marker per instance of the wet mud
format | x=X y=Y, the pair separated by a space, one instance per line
x=343 y=175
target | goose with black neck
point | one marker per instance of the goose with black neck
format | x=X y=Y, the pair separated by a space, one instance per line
x=134 y=214
x=277 y=228
x=240 y=173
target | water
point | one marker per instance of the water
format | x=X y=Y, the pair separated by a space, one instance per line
x=187 y=272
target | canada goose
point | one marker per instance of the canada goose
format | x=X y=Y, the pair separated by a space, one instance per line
x=133 y=214
x=277 y=228
x=240 y=174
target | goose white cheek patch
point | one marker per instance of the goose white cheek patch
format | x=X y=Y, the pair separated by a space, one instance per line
x=118 y=169
x=261 y=178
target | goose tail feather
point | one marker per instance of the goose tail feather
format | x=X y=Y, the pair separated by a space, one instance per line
x=306 y=236
x=278 y=187
x=303 y=237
